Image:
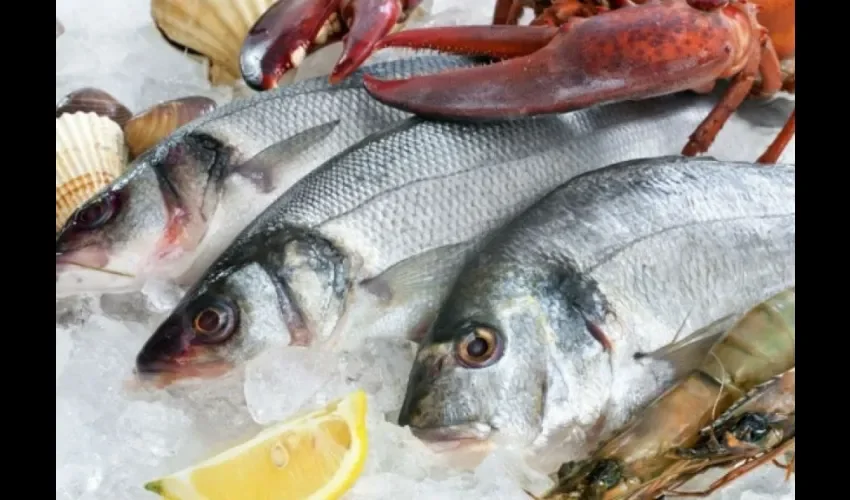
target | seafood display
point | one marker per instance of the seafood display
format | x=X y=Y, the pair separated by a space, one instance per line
x=290 y=30
x=90 y=154
x=579 y=54
x=499 y=246
x=534 y=343
x=371 y=240
x=182 y=202
x=663 y=446
x=214 y=29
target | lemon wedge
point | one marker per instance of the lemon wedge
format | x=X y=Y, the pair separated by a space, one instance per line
x=314 y=456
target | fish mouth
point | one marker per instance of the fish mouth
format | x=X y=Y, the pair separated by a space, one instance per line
x=463 y=446
x=454 y=435
x=89 y=259
x=161 y=373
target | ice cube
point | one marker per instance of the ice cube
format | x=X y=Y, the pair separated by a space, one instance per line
x=218 y=409
x=508 y=469
x=162 y=296
x=72 y=418
x=380 y=366
x=283 y=380
x=72 y=311
x=147 y=435
x=100 y=362
x=395 y=450
x=151 y=431
x=125 y=306
x=381 y=485
x=77 y=481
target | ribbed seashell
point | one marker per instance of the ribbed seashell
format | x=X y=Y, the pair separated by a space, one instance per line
x=92 y=100
x=59 y=28
x=90 y=154
x=213 y=28
x=147 y=128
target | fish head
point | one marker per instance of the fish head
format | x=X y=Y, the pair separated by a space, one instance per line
x=103 y=245
x=480 y=374
x=259 y=295
x=147 y=222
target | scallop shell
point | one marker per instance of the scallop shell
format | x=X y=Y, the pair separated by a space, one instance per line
x=90 y=153
x=213 y=28
x=147 y=128
x=89 y=99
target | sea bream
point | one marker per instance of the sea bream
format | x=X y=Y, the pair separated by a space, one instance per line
x=534 y=345
x=180 y=204
x=368 y=243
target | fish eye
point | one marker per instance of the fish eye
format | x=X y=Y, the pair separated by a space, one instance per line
x=97 y=213
x=216 y=321
x=479 y=348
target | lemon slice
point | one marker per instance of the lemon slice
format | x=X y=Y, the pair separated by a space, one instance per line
x=315 y=456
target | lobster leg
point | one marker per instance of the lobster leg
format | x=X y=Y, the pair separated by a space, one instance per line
x=507 y=12
x=501 y=42
x=774 y=151
x=738 y=90
x=763 y=57
x=626 y=54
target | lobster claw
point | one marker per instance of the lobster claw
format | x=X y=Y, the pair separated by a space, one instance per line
x=628 y=54
x=511 y=88
x=291 y=29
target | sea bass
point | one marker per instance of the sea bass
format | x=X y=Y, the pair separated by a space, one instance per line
x=178 y=206
x=371 y=240
x=534 y=344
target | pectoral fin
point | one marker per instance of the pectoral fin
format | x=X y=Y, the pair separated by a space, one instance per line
x=261 y=168
x=420 y=282
x=688 y=353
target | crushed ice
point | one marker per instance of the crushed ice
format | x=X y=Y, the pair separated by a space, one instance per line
x=111 y=437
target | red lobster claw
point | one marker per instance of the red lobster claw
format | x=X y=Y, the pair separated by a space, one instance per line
x=631 y=53
x=291 y=29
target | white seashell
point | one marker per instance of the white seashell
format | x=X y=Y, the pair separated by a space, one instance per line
x=59 y=28
x=90 y=154
x=215 y=28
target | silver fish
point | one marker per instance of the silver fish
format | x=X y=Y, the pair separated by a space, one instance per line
x=534 y=344
x=369 y=242
x=179 y=205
